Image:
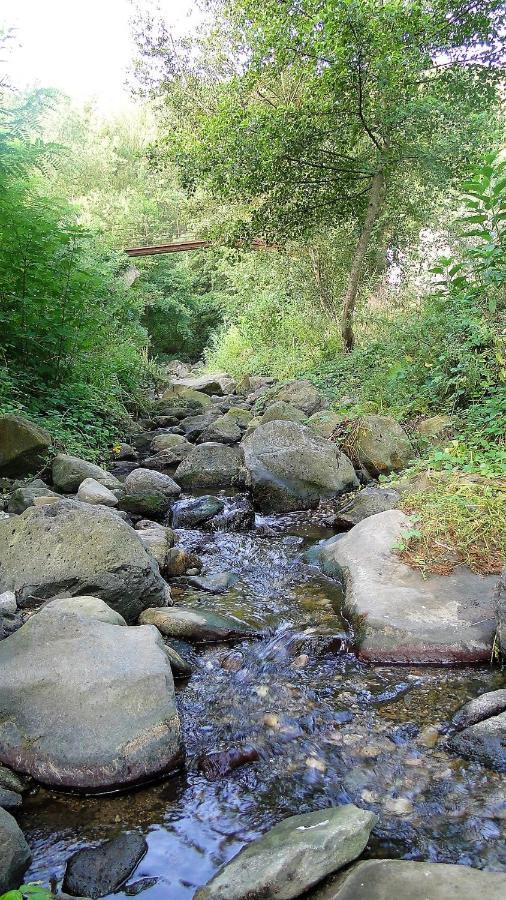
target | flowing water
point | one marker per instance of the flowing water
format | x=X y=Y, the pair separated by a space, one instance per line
x=327 y=730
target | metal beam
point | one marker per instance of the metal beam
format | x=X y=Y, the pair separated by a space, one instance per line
x=183 y=246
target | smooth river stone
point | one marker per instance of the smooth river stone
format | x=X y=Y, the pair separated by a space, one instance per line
x=196 y=625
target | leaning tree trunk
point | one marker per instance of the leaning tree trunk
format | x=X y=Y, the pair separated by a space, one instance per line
x=376 y=194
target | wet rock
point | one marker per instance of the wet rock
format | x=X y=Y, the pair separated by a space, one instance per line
x=238 y=515
x=282 y=411
x=25 y=495
x=70 y=471
x=368 y=502
x=23 y=445
x=91 y=491
x=325 y=422
x=218 y=763
x=232 y=662
x=381 y=445
x=198 y=626
x=382 y=879
x=484 y=742
x=293 y=856
x=97 y=871
x=87 y=705
x=500 y=602
x=120 y=470
x=405 y=617
x=213 y=584
x=89 y=607
x=10 y=781
x=303 y=395
x=74 y=548
x=180 y=667
x=211 y=466
x=8 y=603
x=179 y=561
x=292 y=468
x=9 y=799
x=194 y=512
x=490 y=704
x=137 y=887
x=224 y=430
x=15 y=853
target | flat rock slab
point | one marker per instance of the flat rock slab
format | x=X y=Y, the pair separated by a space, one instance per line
x=198 y=626
x=87 y=705
x=97 y=871
x=15 y=853
x=405 y=618
x=293 y=856
x=484 y=742
x=74 y=548
x=393 y=879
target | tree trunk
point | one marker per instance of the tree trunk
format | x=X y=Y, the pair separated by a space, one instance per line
x=376 y=194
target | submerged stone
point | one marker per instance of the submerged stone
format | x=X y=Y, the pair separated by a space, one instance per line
x=97 y=871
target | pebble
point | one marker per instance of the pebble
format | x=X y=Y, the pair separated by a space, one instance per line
x=262 y=690
x=428 y=737
x=300 y=661
x=312 y=762
x=399 y=806
x=271 y=721
x=369 y=797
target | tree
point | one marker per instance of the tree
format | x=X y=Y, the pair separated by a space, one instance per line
x=334 y=106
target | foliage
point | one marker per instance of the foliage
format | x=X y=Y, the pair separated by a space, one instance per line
x=458 y=520
x=31 y=891
x=73 y=349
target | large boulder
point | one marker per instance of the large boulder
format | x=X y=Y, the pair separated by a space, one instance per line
x=381 y=445
x=194 y=512
x=176 y=443
x=280 y=411
x=97 y=871
x=500 y=600
x=91 y=607
x=15 y=853
x=85 y=704
x=70 y=471
x=384 y=879
x=292 y=468
x=26 y=495
x=193 y=426
x=23 y=445
x=199 y=626
x=405 y=617
x=211 y=466
x=303 y=395
x=178 y=393
x=224 y=429
x=293 y=856
x=74 y=548
x=148 y=493
x=325 y=422
x=158 y=541
x=214 y=383
x=91 y=491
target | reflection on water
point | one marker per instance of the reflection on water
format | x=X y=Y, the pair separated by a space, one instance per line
x=328 y=730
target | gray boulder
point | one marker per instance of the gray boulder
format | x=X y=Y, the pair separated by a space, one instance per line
x=293 y=856
x=8 y=603
x=74 y=548
x=381 y=445
x=406 y=618
x=193 y=426
x=158 y=541
x=23 y=445
x=179 y=561
x=25 y=495
x=292 y=468
x=384 y=879
x=15 y=853
x=485 y=742
x=500 y=601
x=215 y=383
x=184 y=396
x=368 y=502
x=174 y=442
x=91 y=607
x=70 y=471
x=303 y=395
x=325 y=422
x=148 y=493
x=196 y=625
x=281 y=411
x=97 y=871
x=87 y=705
x=211 y=466
x=91 y=491
x=224 y=429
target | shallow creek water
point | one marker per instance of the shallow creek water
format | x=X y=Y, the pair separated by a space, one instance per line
x=329 y=732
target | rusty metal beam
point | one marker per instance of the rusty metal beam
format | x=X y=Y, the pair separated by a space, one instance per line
x=183 y=246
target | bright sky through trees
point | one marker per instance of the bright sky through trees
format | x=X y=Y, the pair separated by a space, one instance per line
x=83 y=49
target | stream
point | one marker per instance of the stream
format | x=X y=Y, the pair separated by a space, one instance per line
x=327 y=728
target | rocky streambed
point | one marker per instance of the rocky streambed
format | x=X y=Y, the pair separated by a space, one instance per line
x=277 y=708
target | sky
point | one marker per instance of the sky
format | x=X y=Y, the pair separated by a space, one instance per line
x=81 y=47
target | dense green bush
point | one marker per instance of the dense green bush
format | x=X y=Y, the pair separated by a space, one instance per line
x=72 y=347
